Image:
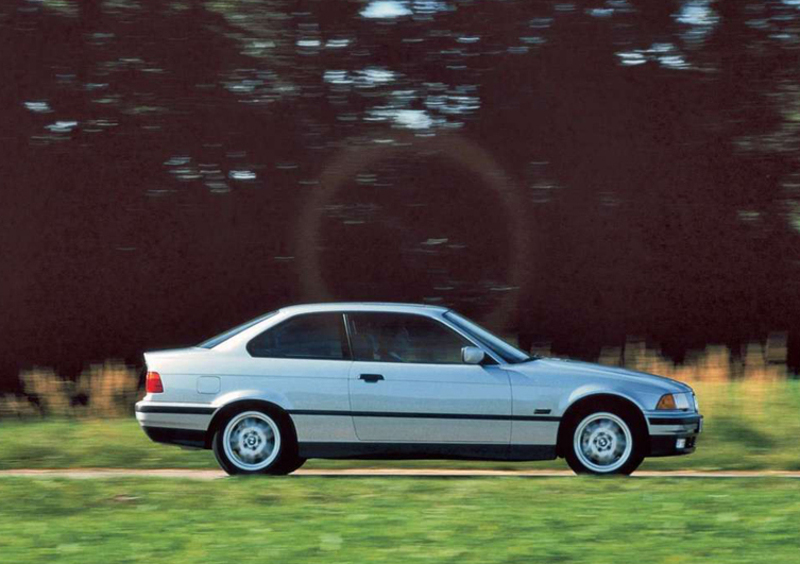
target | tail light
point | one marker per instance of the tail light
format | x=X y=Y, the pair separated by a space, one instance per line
x=153 y=383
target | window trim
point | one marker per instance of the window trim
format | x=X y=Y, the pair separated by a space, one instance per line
x=490 y=355
x=347 y=351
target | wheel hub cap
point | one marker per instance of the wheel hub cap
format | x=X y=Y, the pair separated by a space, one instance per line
x=603 y=442
x=251 y=440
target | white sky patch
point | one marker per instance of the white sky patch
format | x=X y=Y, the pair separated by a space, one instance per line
x=665 y=54
x=336 y=77
x=242 y=175
x=661 y=47
x=411 y=119
x=178 y=161
x=337 y=43
x=38 y=107
x=430 y=6
x=62 y=126
x=449 y=104
x=697 y=12
x=540 y=23
x=699 y=19
x=673 y=61
x=600 y=12
x=386 y=9
x=365 y=78
x=377 y=75
x=632 y=58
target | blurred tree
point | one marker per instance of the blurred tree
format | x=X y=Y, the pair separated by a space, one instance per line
x=157 y=154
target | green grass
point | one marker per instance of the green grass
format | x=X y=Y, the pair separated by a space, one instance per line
x=303 y=519
x=749 y=426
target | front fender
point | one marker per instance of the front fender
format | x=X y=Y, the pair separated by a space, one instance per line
x=593 y=389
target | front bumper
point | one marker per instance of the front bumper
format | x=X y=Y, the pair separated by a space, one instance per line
x=674 y=434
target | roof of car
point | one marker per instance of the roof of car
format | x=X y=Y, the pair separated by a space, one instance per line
x=362 y=306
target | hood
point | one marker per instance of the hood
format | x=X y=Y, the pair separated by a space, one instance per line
x=591 y=370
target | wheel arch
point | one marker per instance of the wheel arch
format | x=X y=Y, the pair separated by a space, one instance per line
x=243 y=404
x=600 y=400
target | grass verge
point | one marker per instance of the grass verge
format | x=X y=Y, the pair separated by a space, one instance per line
x=399 y=520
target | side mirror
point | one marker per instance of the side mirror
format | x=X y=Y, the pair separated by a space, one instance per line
x=472 y=355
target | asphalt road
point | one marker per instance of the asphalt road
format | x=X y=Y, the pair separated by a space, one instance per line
x=99 y=473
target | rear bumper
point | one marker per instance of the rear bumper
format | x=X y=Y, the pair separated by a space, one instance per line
x=674 y=435
x=174 y=415
x=183 y=437
x=175 y=423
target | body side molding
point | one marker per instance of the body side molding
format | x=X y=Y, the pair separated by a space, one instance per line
x=176 y=409
x=413 y=415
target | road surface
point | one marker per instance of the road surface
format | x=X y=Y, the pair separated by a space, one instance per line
x=95 y=473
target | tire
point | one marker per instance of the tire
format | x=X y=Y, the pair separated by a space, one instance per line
x=256 y=441
x=292 y=465
x=604 y=441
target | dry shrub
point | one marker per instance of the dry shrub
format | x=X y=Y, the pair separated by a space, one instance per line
x=762 y=363
x=18 y=407
x=104 y=390
x=111 y=389
x=54 y=394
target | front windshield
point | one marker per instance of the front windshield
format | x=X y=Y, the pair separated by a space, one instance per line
x=221 y=338
x=507 y=352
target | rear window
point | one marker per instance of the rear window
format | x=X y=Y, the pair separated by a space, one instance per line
x=221 y=338
x=310 y=336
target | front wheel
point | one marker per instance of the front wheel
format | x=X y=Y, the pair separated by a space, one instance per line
x=604 y=442
x=255 y=442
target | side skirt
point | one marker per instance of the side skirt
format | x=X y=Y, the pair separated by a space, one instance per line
x=426 y=451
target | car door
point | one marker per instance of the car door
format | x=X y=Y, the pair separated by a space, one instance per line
x=408 y=384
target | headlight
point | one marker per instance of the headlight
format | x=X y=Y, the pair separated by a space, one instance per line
x=674 y=401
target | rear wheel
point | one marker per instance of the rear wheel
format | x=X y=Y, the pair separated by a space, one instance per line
x=255 y=442
x=604 y=442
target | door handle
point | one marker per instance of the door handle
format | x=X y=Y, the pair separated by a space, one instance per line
x=371 y=377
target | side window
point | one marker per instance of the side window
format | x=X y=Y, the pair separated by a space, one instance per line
x=392 y=337
x=319 y=335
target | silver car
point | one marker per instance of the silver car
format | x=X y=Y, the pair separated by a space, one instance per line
x=393 y=381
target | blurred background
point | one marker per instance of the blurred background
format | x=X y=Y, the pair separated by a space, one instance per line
x=613 y=180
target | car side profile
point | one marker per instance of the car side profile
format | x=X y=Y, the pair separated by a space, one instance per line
x=364 y=380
